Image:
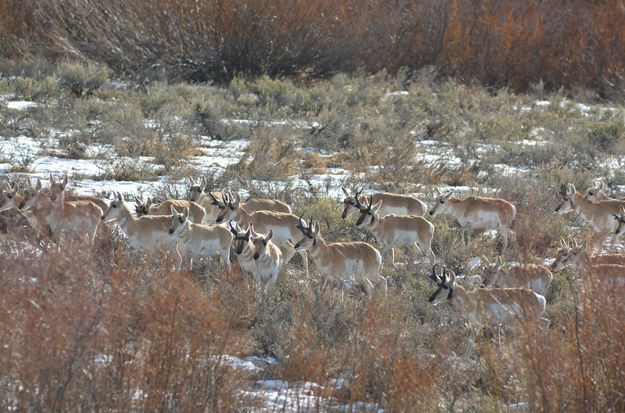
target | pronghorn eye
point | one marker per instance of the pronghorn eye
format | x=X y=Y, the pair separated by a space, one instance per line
x=442 y=201
x=181 y=220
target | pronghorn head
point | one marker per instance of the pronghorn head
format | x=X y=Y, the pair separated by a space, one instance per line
x=196 y=189
x=142 y=208
x=114 y=209
x=350 y=201
x=567 y=192
x=596 y=192
x=241 y=239
x=178 y=220
x=10 y=198
x=491 y=272
x=310 y=231
x=57 y=187
x=369 y=212
x=568 y=254
x=260 y=243
x=445 y=282
x=30 y=196
x=218 y=201
x=441 y=202
x=620 y=217
x=231 y=207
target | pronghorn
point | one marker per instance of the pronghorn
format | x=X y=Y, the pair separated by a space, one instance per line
x=267 y=260
x=257 y=255
x=284 y=225
x=13 y=199
x=198 y=240
x=196 y=211
x=210 y=202
x=531 y=276
x=596 y=193
x=394 y=231
x=75 y=220
x=59 y=194
x=476 y=212
x=252 y=204
x=149 y=232
x=243 y=247
x=599 y=215
x=618 y=259
x=488 y=306
x=577 y=256
x=339 y=261
x=10 y=199
x=391 y=203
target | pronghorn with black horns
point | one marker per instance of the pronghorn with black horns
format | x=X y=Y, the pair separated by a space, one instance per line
x=488 y=306
x=284 y=225
x=199 y=240
x=391 y=203
x=257 y=255
x=339 y=261
x=477 y=212
x=396 y=231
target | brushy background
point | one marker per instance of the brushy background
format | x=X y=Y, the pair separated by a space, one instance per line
x=124 y=332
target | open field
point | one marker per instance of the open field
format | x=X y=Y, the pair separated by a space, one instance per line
x=107 y=328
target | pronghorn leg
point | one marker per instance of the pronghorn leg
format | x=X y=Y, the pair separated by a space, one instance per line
x=290 y=251
x=225 y=256
x=390 y=252
x=469 y=345
x=304 y=256
x=271 y=283
x=367 y=285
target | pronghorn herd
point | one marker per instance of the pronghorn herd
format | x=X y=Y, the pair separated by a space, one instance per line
x=265 y=235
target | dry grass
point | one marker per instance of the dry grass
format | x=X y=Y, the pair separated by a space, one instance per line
x=532 y=45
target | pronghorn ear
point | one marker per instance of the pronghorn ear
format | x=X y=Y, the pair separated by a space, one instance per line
x=64 y=180
x=438 y=191
x=119 y=197
x=268 y=237
x=173 y=210
x=38 y=185
x=191 y=181
x=138 y=201
x=486 y=261
x=571 y=189
x=203 y=183
x=317 y=228
x=345 y=191
x=450 y=193
x=52 y=181
x=377 y=206
x=148 y=203
x=185 y=213
x=499 y=261
x=581 y=248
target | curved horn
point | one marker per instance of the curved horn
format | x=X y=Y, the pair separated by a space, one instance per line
x=434 y=277
x=232 y=227
x=301 y=224
x=563 y=189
